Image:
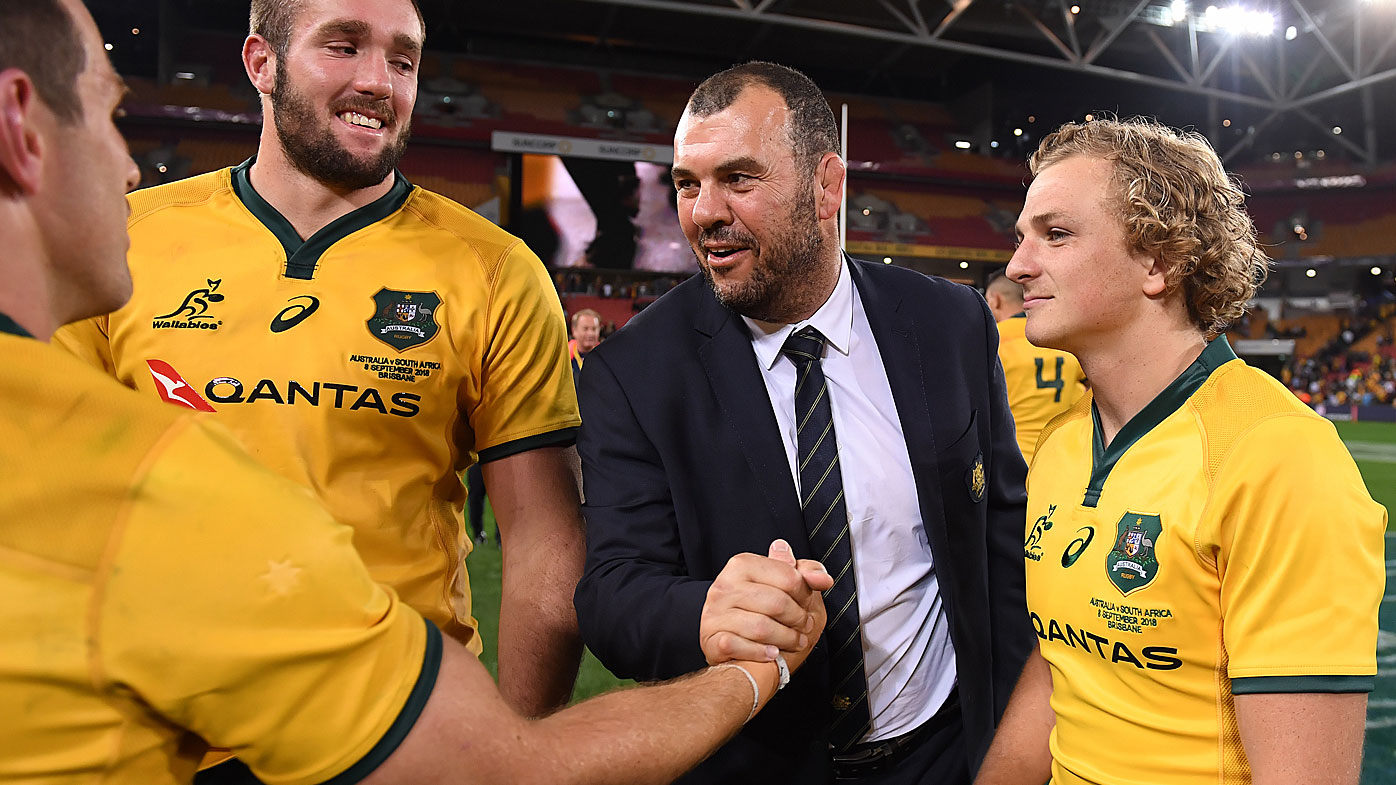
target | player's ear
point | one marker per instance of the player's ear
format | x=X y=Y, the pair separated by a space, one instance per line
x=21 y=143
x=829 y=178
x=1155 y=277
x=260 y=62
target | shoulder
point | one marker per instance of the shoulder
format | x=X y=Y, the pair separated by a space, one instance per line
x=929 y=295
x=1242 y=407
x=84 y=433
x=658 y=330
x=1078 y=416
x=451 y=223
x=189 y=192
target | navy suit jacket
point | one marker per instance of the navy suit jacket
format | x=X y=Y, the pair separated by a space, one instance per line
x=684 y=467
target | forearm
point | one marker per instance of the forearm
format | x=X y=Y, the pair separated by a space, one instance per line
x=534 y=497
x=655 y=733
x=650 y=734
x=539 y=644
x=1019 y=754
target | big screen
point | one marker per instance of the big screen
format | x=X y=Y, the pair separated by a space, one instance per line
x=580 y=212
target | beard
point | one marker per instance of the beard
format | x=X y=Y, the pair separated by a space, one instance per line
x=777 y=281
x=312 y=148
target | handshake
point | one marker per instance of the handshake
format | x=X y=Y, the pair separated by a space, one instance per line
x=762 y=607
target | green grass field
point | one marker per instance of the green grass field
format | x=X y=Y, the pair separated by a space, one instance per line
x=1372 y=444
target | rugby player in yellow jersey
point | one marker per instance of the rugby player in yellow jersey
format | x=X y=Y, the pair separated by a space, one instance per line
x=1042 y=383
x=366 y=338
x=164 y=591
x=1204 y=564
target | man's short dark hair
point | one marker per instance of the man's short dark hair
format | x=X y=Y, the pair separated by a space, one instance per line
x=39 y=38
x=811 y=125
x=274 y=20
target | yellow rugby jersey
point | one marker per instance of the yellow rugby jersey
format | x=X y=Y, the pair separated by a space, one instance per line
x=1223 y=544
x=371 y=363
x=1042 y=383
x=163 y=591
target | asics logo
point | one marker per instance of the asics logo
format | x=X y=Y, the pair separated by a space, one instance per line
x=295 y=313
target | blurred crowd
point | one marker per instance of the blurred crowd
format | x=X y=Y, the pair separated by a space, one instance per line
x=1339 y=375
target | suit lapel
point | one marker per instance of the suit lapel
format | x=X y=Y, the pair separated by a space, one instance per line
x=736 y=381
x=898 y=342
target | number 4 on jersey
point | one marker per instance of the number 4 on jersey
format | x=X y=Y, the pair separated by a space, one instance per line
x=1056 y=383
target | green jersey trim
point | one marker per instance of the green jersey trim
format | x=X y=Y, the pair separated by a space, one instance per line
x=411 y=710
x=562 y=437
x=303 y=255
x=1260 y=685
x=8 y=325
x=1103 y=460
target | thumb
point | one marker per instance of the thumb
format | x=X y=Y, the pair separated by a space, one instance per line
x=780 y=551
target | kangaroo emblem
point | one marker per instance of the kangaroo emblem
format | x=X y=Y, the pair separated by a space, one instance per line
x=196 y=303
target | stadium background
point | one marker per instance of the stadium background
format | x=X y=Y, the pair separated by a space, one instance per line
x=944 y=100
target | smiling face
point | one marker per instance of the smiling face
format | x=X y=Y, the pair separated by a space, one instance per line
x=751 y=210
x=345 y=88
x=1082 y=283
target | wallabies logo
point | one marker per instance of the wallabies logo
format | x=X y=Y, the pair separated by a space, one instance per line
x=193 y=312
x=1032 y=547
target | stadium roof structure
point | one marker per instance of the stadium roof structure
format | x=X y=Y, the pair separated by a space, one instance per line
x=1284 y=73
x=1266 y=80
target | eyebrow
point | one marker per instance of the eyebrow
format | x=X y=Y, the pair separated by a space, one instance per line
x=1047 y=217
x=1039 y=220
x=346 y=27
x=735 y=164
x=407 y=43
x=357 y=28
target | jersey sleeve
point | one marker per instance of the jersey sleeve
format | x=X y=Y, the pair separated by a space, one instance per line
x=527 y=399
x=233 y=606
x=87 y=340
x=1299 y=549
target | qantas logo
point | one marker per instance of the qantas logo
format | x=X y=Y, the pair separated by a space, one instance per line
x=173 y=389
x=295 y=313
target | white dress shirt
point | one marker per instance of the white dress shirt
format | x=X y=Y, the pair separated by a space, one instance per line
x=907 y=653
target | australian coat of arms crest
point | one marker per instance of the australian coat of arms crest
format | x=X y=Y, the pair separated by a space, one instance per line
x=1132 y=563
x=403 y=320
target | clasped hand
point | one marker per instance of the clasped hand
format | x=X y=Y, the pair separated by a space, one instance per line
x=760 y=606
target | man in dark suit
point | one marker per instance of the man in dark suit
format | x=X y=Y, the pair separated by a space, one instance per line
x=856 y=410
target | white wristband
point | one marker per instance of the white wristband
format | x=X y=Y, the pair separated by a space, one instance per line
x=784 y=672
x=755 y=690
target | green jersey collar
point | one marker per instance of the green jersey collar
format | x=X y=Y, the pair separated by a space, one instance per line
x=8 y=325
x=1217 y=354
x=303 y=255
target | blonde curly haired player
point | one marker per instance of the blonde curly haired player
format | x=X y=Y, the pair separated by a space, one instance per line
x=1182 y=603
x=1178 y=204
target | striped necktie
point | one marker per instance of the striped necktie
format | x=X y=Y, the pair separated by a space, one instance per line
x=826 y=524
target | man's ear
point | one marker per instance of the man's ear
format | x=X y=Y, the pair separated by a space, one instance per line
x=829 y=178
x=1155 y=277
x=260 y=62
x=22 y=146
